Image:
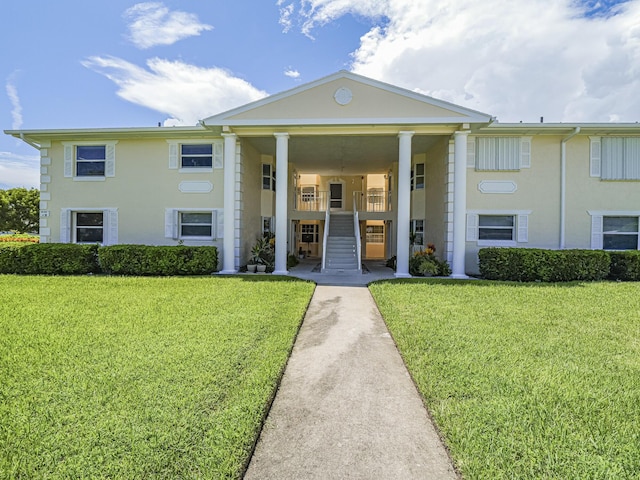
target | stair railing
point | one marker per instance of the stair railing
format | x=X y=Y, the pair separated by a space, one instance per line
x=327 y=220
x=356 y=228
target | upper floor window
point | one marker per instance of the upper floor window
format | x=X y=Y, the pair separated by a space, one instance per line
x=417 y=177
x=615 y=158
x=196 y=156
x=89 y=160
x=499 y=153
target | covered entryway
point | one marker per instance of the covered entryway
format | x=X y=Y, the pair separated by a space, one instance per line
x=341 y=129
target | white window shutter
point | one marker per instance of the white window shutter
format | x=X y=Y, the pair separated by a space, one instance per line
x=220 y=221
x=110 y=161
x=68 y=160
x=596 y=156
x=472 y=227
x=173 y=155
x=111 y=233
x=218 y=155
x=471 y=152
x=214 y=223
x=525 y=152
x=523 y=228
x=596 y=232
x=65 y=225
x=171 y=223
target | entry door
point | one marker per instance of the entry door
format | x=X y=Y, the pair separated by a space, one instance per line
x=335 y=196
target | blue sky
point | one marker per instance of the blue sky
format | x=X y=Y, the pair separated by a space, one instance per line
x=119 y=63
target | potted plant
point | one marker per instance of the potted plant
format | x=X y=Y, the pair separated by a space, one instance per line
x=254 y=259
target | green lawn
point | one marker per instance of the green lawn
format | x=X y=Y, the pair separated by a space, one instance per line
x=111 y=377
x=525 y=380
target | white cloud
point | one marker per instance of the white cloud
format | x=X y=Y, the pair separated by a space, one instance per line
x=516 y=59
x=151 y=24
x=16 y=110
x=286 y=12
x=292 y=73
x=185 y=92
x=19 y=170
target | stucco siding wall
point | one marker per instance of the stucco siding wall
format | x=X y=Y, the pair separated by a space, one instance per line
x=142 y=188
x=585 y=193
x=537 y=192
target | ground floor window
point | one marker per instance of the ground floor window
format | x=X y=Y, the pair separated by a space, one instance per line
x=310 y=232
x=375 y=234
x=417 y=232
x=268 y=225
x=196 y=224
x=496 y=227
x=620 y=233
x=88 y=227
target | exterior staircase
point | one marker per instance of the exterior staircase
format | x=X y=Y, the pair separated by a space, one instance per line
x=340 y=251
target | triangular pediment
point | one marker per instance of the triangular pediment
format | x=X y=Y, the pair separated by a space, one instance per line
x=345 y=98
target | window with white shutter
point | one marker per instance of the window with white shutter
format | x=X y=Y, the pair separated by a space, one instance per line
x=498 y=228
x=499 y=153
x=89 y=160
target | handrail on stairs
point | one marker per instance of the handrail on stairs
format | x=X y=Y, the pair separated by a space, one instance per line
x=356 y=227
x=327 y=219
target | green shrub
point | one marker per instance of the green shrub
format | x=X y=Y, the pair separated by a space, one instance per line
x=533 y=264
x=625 y=266
x=49 y=259
x=153 y=260
x=425 y=263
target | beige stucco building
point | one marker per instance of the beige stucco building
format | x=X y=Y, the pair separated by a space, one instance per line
x=391 y=170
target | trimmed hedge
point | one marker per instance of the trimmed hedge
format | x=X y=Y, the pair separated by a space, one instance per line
x=538 y=265
x=80 y=259
x=625 y=266
x=49 y=259
x=163 y=260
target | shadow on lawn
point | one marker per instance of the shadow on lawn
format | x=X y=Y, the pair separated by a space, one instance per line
x=484 y=283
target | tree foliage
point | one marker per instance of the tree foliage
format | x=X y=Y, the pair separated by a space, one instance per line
x=19 y=210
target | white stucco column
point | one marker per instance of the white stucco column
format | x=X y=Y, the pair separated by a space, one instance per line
x=228 y=244
x=404 y=204
x=459 y=203
x=282 y=176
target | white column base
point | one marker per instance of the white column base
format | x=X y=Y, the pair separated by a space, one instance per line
x=280 y=272
x=402 y=275
x=227 y=272
x=459 y=276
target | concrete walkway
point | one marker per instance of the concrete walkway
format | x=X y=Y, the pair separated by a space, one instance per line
x=346 y=407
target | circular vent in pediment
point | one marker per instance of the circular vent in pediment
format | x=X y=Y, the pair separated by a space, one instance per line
x=343 y=96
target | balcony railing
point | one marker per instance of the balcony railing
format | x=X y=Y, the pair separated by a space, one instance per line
x=311 y=201
x=372 y=201
x=317 y=201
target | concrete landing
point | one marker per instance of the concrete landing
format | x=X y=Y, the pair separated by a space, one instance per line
x=346 y=407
